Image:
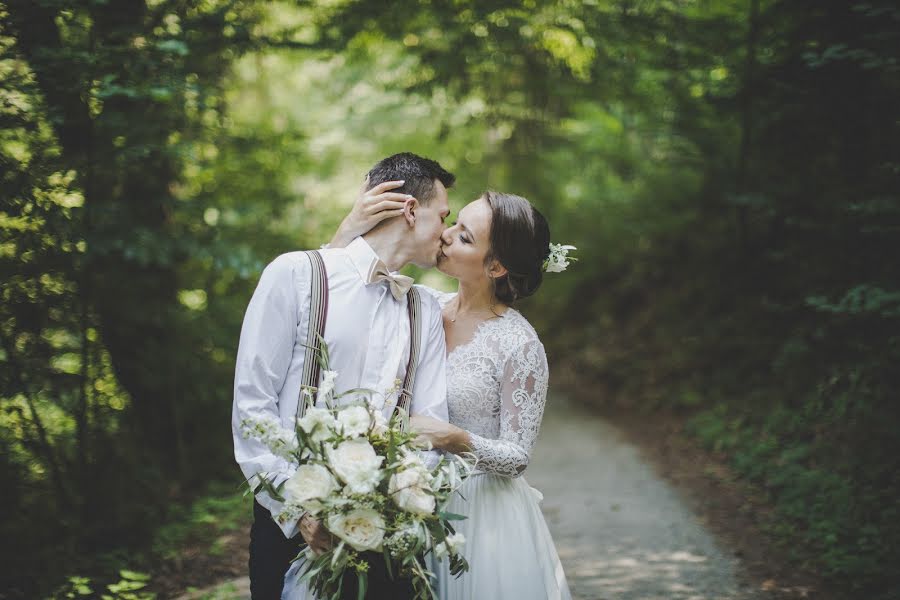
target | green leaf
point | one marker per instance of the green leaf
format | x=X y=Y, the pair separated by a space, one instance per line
x=134 y=575
x=451 y=516
x=387 y=562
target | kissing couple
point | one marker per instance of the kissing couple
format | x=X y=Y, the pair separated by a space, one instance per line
x=480 y=371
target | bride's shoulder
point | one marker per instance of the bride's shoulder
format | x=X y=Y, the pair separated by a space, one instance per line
x=521 y=328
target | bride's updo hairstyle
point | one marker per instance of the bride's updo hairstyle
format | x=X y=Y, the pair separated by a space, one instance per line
x=520 y=241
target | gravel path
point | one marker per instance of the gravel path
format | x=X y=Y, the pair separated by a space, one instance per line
x=621 y=532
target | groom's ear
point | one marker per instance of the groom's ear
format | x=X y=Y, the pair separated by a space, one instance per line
x=410 y=210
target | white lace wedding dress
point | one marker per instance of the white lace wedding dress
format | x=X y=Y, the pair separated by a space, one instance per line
x=496 y=390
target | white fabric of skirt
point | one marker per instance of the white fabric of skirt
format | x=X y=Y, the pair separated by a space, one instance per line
x=508 y=545
x=293 y=589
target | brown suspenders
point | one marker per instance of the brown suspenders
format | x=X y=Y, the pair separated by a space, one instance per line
x=414 y=306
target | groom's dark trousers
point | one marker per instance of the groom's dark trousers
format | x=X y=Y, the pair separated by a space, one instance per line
x=271 y=554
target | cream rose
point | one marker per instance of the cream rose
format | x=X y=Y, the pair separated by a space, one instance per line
x=354 y=421
x=318 y=423
x=309 y=485
x=409 y=489
x=356 y=464
x=362 y=528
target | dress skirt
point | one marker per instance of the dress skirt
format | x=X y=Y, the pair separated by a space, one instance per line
x=508 y=545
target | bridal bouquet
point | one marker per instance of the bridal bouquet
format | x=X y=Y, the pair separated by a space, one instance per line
x=362 y=476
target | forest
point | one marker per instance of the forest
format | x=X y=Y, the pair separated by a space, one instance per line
x=729 y=171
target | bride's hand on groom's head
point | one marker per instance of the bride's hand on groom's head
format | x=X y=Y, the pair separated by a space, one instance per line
x=371 y=208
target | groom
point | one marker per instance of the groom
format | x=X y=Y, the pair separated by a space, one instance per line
x=368 y=337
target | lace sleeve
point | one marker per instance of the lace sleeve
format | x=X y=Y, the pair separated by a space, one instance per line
x=523 y=394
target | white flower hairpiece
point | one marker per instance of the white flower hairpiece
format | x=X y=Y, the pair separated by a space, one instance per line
x=559 y=258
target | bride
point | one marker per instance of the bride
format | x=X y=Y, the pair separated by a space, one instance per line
x=497 y=386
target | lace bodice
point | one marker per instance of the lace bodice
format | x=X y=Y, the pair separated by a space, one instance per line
x=496 y=390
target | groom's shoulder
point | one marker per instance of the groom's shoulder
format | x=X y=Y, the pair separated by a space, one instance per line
x=430 y=304
x=287 y=264
x=289 y=259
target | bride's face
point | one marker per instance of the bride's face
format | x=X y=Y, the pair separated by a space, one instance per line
x=465 y=244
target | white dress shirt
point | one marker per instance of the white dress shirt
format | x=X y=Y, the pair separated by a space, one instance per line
x=367 y=332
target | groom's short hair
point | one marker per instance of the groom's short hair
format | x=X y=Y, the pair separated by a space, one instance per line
x=418 y=174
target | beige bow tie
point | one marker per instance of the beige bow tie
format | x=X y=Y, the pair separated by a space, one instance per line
x=400 y=284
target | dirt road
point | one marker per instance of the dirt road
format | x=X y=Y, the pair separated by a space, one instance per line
x=621 y=532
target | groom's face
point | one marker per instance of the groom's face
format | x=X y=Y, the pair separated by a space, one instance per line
x=429 y=225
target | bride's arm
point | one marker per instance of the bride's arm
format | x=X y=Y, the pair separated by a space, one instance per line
x=523 y=396
x=371 y=208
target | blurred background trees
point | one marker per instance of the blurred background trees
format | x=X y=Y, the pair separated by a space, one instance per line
x=728 y=170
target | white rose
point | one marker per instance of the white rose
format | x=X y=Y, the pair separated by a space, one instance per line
x=308 y=485
x=411 y=459
x=409 y=489
x=362 y=528
x=356 y=464
x=354 y=420
x=318 y=422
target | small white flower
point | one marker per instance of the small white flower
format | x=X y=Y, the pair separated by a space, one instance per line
x=455 y=542
x=354 y=421
x=307 y=396
x=290 y=511
x=308 y=485
x=558 y=260
x=362 y=528
x=450 y=546
x=318 y=423
x=268 y=430
x=440 y=551
x=327 y=386
x=356 y=464
x=380 y=425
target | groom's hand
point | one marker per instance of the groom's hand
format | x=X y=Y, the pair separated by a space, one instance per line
x=315 y=534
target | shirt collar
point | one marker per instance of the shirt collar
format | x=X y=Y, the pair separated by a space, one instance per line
x=363 y=257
